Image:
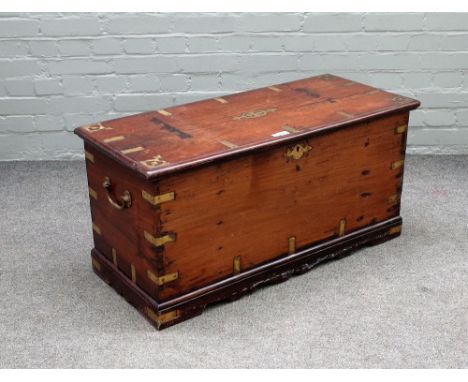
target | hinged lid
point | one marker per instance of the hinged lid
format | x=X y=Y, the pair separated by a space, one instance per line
x=163 y=141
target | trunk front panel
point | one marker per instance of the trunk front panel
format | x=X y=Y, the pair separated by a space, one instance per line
x=233 y=216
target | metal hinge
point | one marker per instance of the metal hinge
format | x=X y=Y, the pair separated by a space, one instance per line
x=161 y=240
x=161 y=280
x=157 y=199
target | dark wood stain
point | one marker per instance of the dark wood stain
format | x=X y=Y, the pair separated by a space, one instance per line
x=308 y=92
x=171 y=129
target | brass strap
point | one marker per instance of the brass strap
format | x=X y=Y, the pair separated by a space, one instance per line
x=397 y=164
x=292 y=245
x=342 y=227
x=161 y=280
x=157 y=199
x=161 y=240
x=89 y=156
x=96 y=229
x=236 y=265
x=96 y=264
x=92 y=193
x=132 y=150
x=164 y=112
x=113 y=139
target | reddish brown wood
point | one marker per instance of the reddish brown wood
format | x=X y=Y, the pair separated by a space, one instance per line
x=123 y=230
x=243 y=202
x=250 y=206
x=193 y=303
x=193 y=133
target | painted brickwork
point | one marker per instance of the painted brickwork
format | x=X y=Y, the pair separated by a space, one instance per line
x=59 y=71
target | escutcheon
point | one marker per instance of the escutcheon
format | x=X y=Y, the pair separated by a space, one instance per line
x=298 y=151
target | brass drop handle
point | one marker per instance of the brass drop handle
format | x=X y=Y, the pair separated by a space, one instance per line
x=126 y=197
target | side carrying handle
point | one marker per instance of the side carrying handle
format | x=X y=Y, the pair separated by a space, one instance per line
x=126 y=197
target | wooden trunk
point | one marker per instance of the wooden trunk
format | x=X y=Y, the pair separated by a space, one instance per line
x=206 y=201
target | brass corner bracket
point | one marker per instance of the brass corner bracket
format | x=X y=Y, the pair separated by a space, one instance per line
x=397 y=164
x=157 y=199
x=162 y=318
x=161 y=280
x=394 y=230
x=161 y=240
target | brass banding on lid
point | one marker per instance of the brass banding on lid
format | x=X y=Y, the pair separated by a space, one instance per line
x=114 y=139
x=132 y=150
x=157 y=199
x=274 y=88
x=228 y=144
x=397 y=164
x=164 y=112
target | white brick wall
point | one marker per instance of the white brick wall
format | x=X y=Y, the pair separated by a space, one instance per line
x=59 y=71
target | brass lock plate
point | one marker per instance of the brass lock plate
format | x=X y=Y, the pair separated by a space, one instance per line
x=298 y=151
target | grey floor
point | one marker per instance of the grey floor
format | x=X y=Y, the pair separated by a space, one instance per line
x=400 y=304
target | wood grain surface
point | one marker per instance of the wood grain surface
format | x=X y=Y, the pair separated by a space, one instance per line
x=224 y=187
x=190 y=135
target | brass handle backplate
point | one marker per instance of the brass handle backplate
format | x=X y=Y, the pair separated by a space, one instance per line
x=126 y=197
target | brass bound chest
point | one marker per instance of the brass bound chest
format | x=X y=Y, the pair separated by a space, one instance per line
x=204 y=202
